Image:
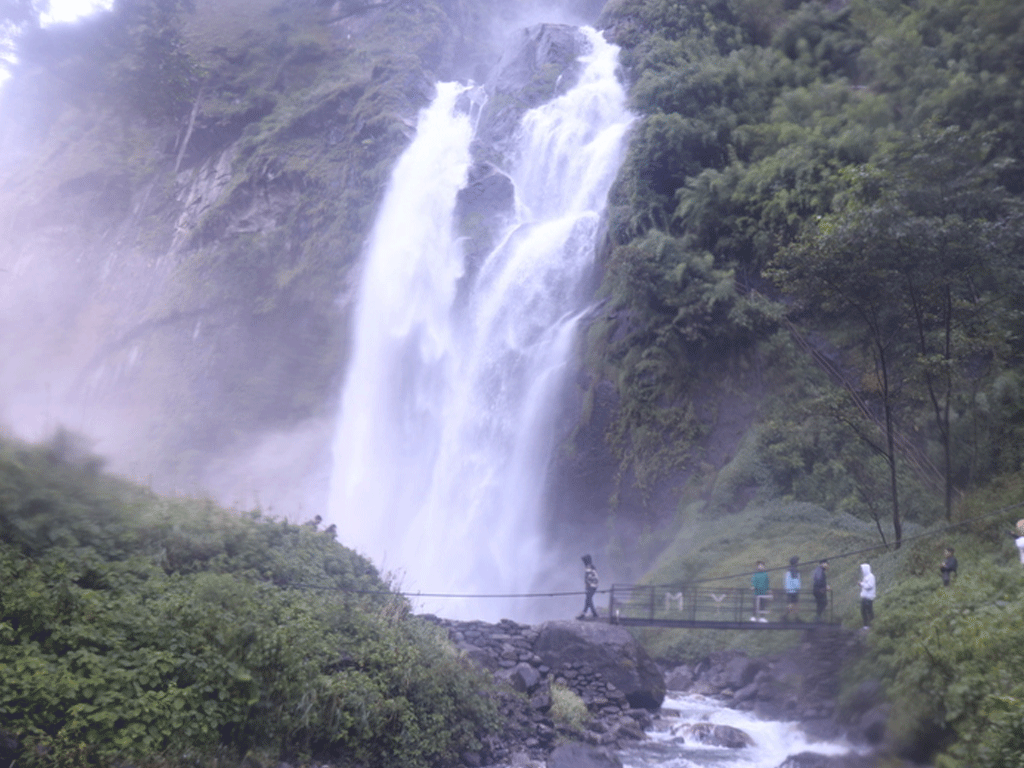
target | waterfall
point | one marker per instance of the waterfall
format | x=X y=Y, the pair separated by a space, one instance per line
x=445 y=428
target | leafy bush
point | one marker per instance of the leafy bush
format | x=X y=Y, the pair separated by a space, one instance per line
x=567 y=708
x=952 y=658
x=138 y=628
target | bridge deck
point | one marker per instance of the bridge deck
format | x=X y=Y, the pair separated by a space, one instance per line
x=712 y=624
x=685 y=607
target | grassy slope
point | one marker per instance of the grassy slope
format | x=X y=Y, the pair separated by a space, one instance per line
x=173 y=632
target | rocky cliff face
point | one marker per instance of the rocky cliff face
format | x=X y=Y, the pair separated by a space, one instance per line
x=173 y=289
x=179 y=292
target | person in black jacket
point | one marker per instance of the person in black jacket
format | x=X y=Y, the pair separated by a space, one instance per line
x=948 y=567
x=820 y=588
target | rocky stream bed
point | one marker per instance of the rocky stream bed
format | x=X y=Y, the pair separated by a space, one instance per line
x=624 y=690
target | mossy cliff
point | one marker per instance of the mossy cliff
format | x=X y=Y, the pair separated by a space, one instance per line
x=185 y=195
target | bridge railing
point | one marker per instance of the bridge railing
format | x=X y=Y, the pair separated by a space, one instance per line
x=700 y=604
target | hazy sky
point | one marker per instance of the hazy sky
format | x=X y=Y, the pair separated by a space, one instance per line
x=69 y=10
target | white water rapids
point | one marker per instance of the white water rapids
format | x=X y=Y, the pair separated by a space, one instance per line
x=446 y=423
x=773 y=741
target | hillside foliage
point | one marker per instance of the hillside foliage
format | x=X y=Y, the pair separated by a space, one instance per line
x=820 y=221
x=948 y=655
x=822 y=203
x=149 y=630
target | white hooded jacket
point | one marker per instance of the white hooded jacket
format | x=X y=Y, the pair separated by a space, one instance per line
x=867 y=582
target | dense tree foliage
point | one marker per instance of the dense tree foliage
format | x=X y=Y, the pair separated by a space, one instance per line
x=822 y=202
x=919 y=255
x=140 y=628
x=849 y=174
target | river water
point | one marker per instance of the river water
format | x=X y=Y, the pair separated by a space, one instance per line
x=773 y=741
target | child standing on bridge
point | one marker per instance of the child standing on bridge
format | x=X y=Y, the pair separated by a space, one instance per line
x=792 y=584
x=948 y=566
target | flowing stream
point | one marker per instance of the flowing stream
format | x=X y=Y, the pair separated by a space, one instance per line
x=773 y=741
x=445 y=430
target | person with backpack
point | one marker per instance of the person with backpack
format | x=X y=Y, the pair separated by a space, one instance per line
x=590 y=582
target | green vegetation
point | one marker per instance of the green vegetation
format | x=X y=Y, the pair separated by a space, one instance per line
x=947 y=658
x=821 y=202
x=822 y=208
x=567 y=708
x=142 y=629
x=951 y=657
x=813 y=294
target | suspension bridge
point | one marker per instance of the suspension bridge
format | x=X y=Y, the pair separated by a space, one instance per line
x=693 y=607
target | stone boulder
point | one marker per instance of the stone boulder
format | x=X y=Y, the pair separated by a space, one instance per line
x=522 y=677
x=577 y=755
x=483 y=208
x=680 y=678
x=873 y=724
x=714 y=735
x=610 y=651
x=815 y=760
x=540 y=62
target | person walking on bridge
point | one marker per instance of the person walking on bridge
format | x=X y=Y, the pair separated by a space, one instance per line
x=821 y=589
x=590 y=582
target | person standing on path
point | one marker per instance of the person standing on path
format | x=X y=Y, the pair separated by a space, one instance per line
x=590 y=582
x=1018 y=539
x=867 y=595
x=948 y=567
x=792 y=585
x=761 y=585
x=821 y=589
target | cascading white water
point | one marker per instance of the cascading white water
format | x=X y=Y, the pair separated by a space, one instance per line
x=446 y=424
x=772 y=742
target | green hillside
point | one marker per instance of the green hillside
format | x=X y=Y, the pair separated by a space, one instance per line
x=151 y=631
x=815 y=243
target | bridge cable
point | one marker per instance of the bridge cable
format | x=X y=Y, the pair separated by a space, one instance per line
x=741 y=575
